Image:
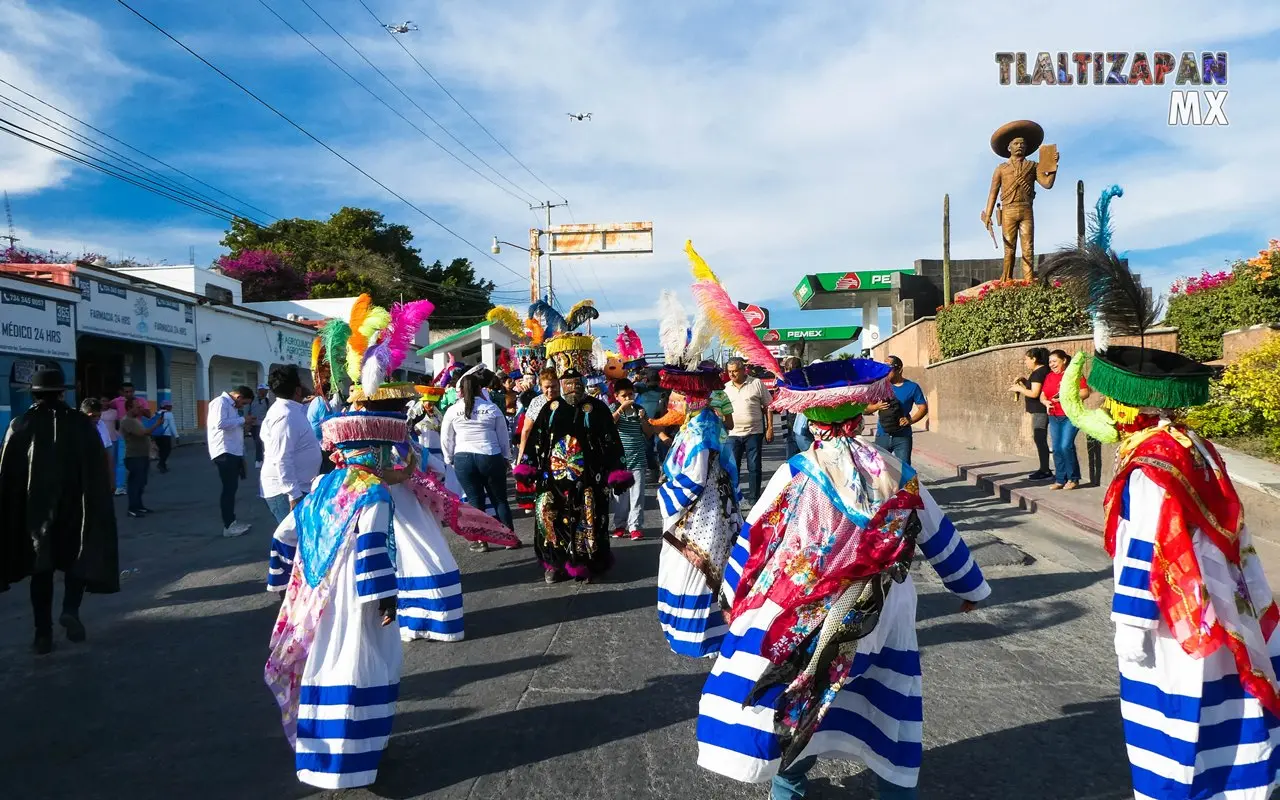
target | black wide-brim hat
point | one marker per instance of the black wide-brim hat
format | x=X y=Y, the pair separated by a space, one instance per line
x=1145 y=377
x=49 y=379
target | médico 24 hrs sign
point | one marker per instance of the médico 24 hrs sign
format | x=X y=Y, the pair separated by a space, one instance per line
x=34 y=325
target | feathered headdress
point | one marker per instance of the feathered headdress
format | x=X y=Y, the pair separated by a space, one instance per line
x=393 y=342
x=630 y=348
x=682 y=343
x=317 y=356
x=545 y=314
x=508 y=318
x=726 y=319
x=579 y=315
x=333 y=339
x=366 y=320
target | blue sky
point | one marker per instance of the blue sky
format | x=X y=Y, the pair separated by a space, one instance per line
x=783 y=138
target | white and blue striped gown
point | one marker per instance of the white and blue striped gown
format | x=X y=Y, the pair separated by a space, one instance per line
x=877 y=717
x=1191 y=730
x=429 y=604
x=688 y=611
x=352 y=677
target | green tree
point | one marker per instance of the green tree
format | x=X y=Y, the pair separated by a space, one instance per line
x=356 y=251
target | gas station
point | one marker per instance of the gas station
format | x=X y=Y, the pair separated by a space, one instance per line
x=808 y=343
x=864 y=289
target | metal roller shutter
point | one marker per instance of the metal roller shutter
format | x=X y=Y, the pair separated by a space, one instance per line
x=182 y=386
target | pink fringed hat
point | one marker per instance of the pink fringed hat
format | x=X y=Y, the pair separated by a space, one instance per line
x=833 y=391
x=356 y=430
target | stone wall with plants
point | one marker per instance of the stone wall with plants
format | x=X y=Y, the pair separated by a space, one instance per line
x=1205 y=307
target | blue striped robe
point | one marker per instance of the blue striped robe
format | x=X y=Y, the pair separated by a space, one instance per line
x=429 y=603
x=1191 y=730
x=352 y=677
x=877 y=717
x=688 y=612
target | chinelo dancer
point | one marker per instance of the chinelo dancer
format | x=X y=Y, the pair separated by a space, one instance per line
x=1194 y=615
x=574 y=459
x=335 y=659
x=821 y=658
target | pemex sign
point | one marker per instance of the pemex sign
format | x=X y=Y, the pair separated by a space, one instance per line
x=756 y=316
x=829 y=333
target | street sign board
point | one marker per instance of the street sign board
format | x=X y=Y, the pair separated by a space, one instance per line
x=757 y=316
x=617 y=238
x=826 y=334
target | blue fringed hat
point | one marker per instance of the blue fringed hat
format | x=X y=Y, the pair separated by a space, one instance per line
x=832 y=391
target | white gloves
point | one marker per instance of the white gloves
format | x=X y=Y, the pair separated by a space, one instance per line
x=1133 y=644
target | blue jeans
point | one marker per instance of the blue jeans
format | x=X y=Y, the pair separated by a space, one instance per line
x=136 y=480
x=750 y=446
x=794 y=784
x=897 y=443
x=120 y=470
x=481 y=474
x=279 y=507
x=1062 y=437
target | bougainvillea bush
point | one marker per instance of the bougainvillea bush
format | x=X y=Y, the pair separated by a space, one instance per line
x=1205 y=307
x=1007 y=312
x=264 y=275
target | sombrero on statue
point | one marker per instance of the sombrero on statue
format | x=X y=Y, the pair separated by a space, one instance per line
x=1030 y=132
x=1130 y=377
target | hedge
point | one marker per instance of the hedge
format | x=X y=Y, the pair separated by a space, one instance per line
x=1007 y=313
x=1247 y=399
x=1202 y=310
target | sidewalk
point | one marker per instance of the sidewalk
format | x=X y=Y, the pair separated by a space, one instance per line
x=1004 y=475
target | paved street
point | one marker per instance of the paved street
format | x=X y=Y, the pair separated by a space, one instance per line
x=563 y=691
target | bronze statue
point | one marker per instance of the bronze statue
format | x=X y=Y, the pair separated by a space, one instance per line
x=1015 y=182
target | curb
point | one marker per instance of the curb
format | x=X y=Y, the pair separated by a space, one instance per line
x=1015 y=496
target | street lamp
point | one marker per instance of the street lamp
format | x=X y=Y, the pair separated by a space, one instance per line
x=496 y=247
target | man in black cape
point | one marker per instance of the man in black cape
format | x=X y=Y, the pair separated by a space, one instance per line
x=55 y=509
x=576 y=452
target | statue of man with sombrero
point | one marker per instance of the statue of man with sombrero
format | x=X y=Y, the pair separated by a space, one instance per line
x=1014 y=183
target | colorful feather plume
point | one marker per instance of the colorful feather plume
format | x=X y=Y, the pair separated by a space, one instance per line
x=579 y=315
x=599 y=356
x=552 y=321
x=376 y=319
x=506 y=360
x=673 y=328
x=376 y=368
x=442 y=380
x=359 y=312
x=725 y=318
x=534 y=330
x=333 y=336
x=317 y=353
x=1102 y=282
x=508 y=318
x=630 y=348
x=406 y=320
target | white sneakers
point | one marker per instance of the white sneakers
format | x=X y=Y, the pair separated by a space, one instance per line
x=235 y=529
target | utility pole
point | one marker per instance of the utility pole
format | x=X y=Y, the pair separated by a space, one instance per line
x=1080 y=214
x=8 y=213
x=946 y=250
x=535 y=251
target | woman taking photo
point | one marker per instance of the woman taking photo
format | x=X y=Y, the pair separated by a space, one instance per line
x=477 y=444
x=1037 y=360
x=1062 y=434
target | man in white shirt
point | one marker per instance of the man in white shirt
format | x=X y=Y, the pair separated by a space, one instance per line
x=226 y=448
x=752 y=422
x=291 y=453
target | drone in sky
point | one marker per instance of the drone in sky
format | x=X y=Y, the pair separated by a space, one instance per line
x=403 y=27
x=580 y=117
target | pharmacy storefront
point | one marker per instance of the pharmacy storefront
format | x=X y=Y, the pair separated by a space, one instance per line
x=37 y=331
x=134 y=335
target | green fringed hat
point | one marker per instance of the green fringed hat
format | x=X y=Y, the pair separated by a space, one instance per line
x=1145 y=377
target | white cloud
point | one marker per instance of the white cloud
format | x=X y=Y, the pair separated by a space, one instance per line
x=63 y=58
x=783 y=139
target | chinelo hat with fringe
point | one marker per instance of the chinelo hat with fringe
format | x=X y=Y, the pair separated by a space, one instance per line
x=833 y=391
x=1133 y=376
x=357 y=430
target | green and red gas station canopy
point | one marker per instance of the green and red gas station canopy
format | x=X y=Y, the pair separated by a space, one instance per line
x=843 y=289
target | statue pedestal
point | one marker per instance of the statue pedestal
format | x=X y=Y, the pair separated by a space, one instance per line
x=976 y=291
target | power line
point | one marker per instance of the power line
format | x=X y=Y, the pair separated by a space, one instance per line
x=165 y=164
x=456 y=101
x=89 y=161
x=314 y=138
x=377 y=97
x=425 y=113
x=138 y=170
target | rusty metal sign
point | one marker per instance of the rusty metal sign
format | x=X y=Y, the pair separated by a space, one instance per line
x=618 y=238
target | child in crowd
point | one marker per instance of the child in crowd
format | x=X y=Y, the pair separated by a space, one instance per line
x=634 y=430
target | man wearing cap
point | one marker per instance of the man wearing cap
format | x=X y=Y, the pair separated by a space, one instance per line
x=1194 y=615
x=258 y=410
x=58 y=516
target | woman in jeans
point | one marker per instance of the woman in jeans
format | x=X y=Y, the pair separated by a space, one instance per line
x=1037 y=359
x=1062 y=434
x=477 y=444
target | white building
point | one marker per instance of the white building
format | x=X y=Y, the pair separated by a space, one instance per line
x=192 y=279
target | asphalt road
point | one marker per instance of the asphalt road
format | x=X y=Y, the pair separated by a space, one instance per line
x=563 y=691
